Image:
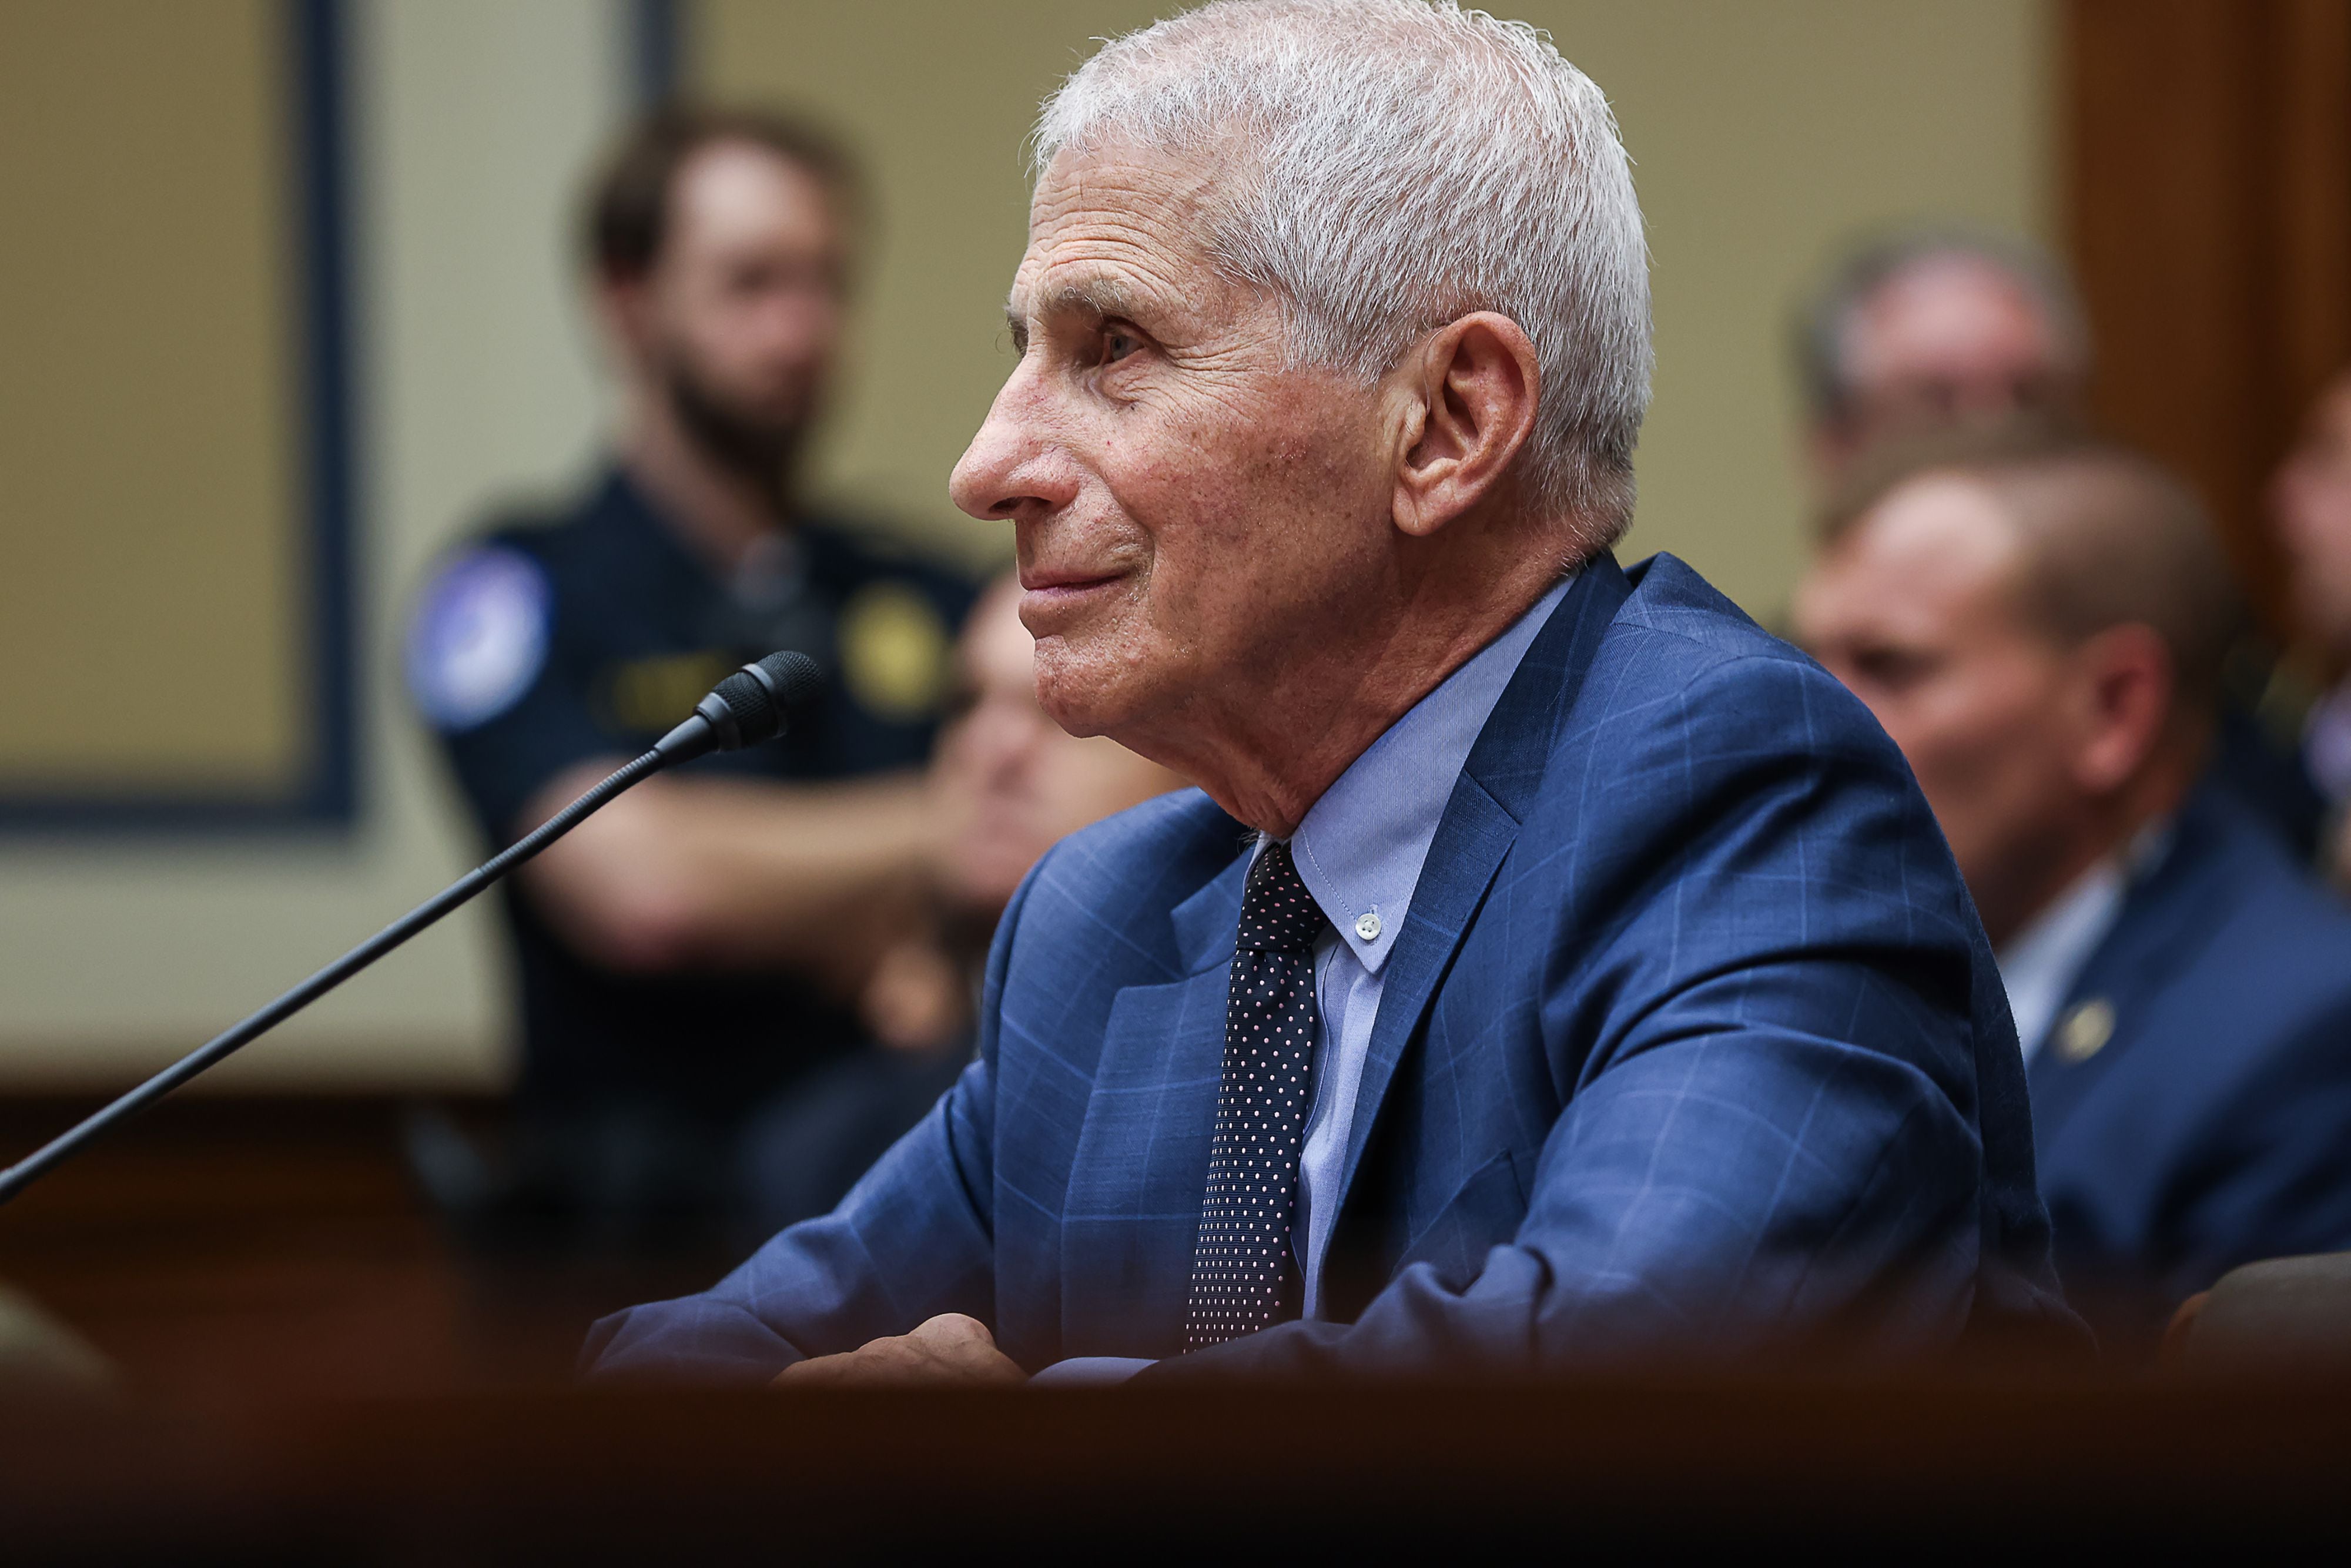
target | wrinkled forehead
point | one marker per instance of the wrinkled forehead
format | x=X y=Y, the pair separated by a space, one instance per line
x=1118 y=228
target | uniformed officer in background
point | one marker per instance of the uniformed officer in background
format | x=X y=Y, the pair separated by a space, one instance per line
x=698 y=947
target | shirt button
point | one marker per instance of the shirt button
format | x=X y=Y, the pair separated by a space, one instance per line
x=1367 y=926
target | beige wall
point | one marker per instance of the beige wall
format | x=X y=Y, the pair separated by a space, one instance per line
x=1766 y=136
x=936 y=96
x=472 y=120
x=1764 y=133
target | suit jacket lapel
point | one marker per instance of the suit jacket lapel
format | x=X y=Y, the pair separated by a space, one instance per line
x=1481 y=824
x=1133 y=1208
x=2163 y=918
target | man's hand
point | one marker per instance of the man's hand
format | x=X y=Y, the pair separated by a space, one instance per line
x=947 y=1349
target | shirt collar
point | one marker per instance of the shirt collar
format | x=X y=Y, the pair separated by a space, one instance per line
x=1361 y=846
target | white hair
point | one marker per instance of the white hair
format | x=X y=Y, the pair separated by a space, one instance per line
x=1402 y=163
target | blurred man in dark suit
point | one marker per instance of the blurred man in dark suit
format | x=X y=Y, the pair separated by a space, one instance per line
x=2310 y=505
x=2040 y=624
x=1940 y=328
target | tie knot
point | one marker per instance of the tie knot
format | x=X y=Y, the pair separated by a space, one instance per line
x=1277 y=912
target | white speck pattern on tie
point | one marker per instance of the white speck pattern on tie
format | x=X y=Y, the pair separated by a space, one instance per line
x=1238 y=1261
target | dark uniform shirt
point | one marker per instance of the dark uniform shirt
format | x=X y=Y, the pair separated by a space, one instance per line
x=553 y=641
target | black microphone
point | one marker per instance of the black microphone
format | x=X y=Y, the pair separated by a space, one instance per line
x=755 y=703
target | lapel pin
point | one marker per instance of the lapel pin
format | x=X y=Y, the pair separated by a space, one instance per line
x=2085 y=1030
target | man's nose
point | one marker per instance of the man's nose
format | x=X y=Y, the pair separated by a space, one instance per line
x=1014 y=466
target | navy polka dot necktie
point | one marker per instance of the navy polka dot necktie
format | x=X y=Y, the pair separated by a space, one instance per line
x=1238 y=1261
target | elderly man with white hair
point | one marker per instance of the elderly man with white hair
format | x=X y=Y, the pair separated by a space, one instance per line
x=1551 y=970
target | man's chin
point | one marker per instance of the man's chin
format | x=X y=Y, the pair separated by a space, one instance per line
x=1082 y=688
x=1081 y=714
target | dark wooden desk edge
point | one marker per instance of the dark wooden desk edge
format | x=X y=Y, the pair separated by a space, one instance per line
x=593 y=1475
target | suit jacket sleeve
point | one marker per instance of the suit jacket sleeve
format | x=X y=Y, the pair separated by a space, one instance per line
x=913 y=1238
x=1768 y=1012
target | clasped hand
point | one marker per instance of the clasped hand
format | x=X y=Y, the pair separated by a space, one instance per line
x=948 y=1348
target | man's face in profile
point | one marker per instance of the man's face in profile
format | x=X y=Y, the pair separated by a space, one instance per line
x=1186 y=509
x=1917 y=609
x=740 y=314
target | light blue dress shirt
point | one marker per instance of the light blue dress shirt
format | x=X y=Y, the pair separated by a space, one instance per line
x=1359 y=850
x=2039 y=964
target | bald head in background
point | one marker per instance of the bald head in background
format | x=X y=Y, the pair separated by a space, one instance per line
x=2040 y=623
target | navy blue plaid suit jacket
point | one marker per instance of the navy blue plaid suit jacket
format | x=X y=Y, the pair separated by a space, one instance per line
x=1691 y=1043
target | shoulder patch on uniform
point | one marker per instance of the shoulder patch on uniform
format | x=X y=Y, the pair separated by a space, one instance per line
x=479 y=638
x=895 y=650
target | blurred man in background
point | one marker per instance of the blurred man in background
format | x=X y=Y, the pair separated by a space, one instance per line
x=698 y=948
x=2040 y=623
x=2310 y=505
x=1007 y=785
x=1928 y=329
x=1938 y=330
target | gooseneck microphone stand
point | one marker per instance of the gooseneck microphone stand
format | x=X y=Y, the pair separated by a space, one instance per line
x=16 y=1177
x=751 y=705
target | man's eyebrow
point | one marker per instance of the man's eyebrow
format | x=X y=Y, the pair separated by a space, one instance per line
x=1082 y=295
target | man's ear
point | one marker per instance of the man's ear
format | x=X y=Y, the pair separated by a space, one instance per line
x=1470 y=393
x=2127 y=690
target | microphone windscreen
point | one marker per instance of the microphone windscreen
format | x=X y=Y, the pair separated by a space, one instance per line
x=755 y=703
x=761 y=698
x=748 y=700
x=795 y=676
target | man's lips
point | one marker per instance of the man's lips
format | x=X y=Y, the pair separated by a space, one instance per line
x=1051 y=585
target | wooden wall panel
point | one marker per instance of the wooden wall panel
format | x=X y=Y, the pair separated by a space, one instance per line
x=2207 y=195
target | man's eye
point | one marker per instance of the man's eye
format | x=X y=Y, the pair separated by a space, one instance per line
x=1117 y=343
